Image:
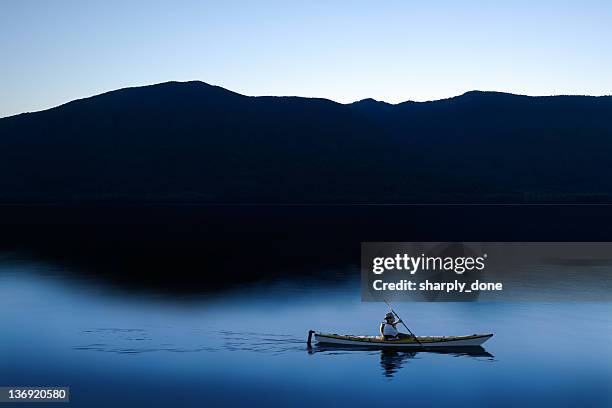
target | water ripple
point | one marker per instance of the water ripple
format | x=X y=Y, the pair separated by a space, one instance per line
x=138 y=341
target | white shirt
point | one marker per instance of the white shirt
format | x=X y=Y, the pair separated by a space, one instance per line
x=389 y=330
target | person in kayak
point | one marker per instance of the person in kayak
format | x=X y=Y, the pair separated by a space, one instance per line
x=388 y=331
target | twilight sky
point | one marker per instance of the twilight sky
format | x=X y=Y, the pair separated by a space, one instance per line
x=56 y=51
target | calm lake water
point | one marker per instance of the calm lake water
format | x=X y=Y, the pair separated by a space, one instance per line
x=247 y=346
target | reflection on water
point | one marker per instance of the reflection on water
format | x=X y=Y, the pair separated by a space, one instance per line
x=393 y=360
x=116 y=348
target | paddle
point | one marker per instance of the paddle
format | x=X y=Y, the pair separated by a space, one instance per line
x=409 y=331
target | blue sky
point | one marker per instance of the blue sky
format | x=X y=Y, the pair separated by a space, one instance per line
x=56 y=51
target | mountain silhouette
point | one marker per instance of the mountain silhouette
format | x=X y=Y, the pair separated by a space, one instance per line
x=190 y=142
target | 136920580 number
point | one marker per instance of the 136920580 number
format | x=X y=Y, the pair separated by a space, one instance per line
x=51 y=394
x=37 y=393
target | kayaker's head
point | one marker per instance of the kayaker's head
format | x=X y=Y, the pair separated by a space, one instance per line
x=389 y=317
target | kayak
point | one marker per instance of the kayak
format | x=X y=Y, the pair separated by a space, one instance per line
x=473 y=340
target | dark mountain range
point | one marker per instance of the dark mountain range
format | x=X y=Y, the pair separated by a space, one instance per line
x=193 y=142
